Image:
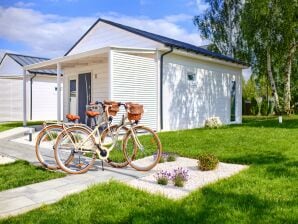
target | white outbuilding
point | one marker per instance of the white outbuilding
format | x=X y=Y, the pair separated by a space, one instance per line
x=41 y=89
x=180 y=85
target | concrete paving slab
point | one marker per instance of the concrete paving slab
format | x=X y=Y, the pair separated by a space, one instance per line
x=12 y=132
x=14 y=204
x=46 y=196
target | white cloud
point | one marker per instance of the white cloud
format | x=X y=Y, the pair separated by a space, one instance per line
x=46 y=34
x=166 y=26
x=201 y=5
x=179 y=18
x=52 y=35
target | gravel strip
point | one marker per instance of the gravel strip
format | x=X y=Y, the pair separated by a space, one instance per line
x=197 y=179
x=5 y=160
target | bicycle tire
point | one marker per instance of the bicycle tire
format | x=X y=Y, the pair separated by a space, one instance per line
x=71 y=166
x=44 y=146
x=139 y=157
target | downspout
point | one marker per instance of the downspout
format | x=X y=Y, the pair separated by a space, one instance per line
x=31 y=97
x=161 y=86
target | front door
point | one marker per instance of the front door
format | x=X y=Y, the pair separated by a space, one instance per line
x=73 y=96
x=84 y=94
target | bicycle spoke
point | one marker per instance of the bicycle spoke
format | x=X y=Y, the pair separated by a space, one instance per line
x=71 y=150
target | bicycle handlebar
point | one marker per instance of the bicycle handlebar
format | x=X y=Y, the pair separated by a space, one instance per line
x=104 y=105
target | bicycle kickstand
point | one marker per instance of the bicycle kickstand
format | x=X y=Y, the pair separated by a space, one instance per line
x=102 y=168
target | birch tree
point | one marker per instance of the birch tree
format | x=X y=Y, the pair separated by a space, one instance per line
x=270 y=29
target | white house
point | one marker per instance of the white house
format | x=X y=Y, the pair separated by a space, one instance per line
x=180 y=85
x=41 y=89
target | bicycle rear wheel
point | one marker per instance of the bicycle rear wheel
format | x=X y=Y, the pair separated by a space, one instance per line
x=44 y=146
x=142 y=148
x=66 y=147
x=114 y=135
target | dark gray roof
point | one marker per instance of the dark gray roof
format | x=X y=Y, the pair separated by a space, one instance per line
x=24 y=60
x=166 y=41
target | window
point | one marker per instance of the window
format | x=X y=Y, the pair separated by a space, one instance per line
x=233 y=101
x=191 y=79
x=191 y=76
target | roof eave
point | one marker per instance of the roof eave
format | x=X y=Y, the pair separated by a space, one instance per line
x=189 y=53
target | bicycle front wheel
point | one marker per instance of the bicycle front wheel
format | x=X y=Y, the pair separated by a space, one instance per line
x=75 y=150
x=44 y=146
x=142 y=148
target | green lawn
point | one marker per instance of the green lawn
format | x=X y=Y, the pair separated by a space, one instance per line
x=10 y=125
x=264 y=193
x=22 y=173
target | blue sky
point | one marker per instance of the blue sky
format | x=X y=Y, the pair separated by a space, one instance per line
x=50 y=27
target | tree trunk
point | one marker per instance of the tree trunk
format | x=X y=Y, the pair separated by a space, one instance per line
x=272 y=82
x=287 y=80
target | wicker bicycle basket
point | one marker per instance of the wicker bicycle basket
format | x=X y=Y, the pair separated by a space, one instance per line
x=135 y=111
x=113 y=107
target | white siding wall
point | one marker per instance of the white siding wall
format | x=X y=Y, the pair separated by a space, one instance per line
x=10 y=67
x=134 y=79
x=99 y=82
x=188 y=104
x=44 y=98
x=103 y=35
x=11 y=99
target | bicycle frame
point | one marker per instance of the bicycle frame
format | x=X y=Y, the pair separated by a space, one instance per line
x=98 y=143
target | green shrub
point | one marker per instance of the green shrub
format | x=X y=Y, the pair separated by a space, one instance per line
x=163 y=181
x=178 y=181
x=207 y=162
x=167 y=157
x=51 y=136
x=161 y=160
x=171 y=158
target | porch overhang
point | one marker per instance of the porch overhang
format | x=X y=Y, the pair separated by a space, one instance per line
x=71 y=60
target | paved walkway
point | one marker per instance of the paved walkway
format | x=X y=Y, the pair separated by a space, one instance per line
x=23 y=199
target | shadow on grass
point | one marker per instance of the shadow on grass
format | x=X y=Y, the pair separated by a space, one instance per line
x=292 y=164
x=261 y=158
x=281 y=171
x=270 y=122
x=210 y=206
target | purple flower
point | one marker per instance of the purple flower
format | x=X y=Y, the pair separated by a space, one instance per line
x=181 y=173
x=163 y=174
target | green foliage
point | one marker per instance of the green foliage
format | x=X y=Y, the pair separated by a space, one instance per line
x=171 y=158
x=178 y=181
x=163 y=181
x=22 y=173
x=249 y=89
x=220 y=24
x=270 y=27
x=162 y=159
x=52 y=135
x=10 y=125
x=166 y=156
x=207 y=162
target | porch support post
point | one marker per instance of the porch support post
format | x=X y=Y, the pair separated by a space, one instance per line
x=58 y=92
x=110 y=74
x=24 y=98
